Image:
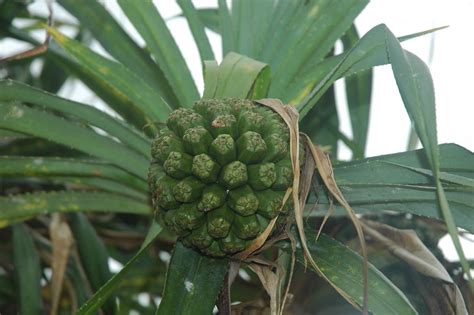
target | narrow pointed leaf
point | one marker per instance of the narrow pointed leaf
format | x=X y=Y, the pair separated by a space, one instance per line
x=395 y=183
x=44 y=125
x=211 y=77
x=263 y=17
x=49 y=167
x=369 y=51
x=100 y=184
x=251 y=20
x=342 y=267
x=193 y=282
x=358 y=93
x=31 y=146
x=321 y=124
x=16 y=91
x=416 y=88
x=52 y=77
x=27 y=271
x=197 y=29
x=283 y=16
x=116 y=41
x=117 y=77
x=226 y=27
x=93 y=254
x=151 y=26
x=311 y=36
x=92 y=305
x=123 y=106
x=30 y=205
x=7 y=134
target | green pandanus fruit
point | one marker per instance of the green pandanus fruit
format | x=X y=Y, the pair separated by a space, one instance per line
x=219 y=173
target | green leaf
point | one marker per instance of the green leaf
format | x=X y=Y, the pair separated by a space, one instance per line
x=115 y=100
x=197 y=29
x=117 y=77
x=416 y=88
x=210 y=18
x=27 y=271
x=91 y=306
x=44 y=125
x=30 y=146
x=343 y=268
x=226 y=28
x=284 y=14
x=321 y=124
x=101 y=184
x=318 y=76
x=52 y=77
x=23 y=206
x=251 y=20
x=7 y=134
x=51 y=167
x=358 y=93
x=151 y=26
x=310 y=36
x=445 y=177
x=240 y=76
x=453 y=159
x=193 y=282
x=93 y=254
x=211 y=77
x=115 y=40
x=395 y=183
x=123 y=106
x=335 y=68
x=16 y=91
x=417 y=91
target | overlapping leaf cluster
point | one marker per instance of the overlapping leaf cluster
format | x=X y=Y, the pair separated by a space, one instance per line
x=62 y=156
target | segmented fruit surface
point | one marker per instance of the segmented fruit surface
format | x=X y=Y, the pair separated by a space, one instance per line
x=219 y=173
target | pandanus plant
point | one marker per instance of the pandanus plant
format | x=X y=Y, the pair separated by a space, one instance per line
x=237 y=184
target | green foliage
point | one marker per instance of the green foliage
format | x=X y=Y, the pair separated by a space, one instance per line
x=90 y=167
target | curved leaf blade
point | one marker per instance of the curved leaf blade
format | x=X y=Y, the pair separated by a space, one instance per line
x=44 y=125
x=416 y=88
x=92 y=305
x=197 y=29
x=310 y=36
x=98 y=184
x=151 y=26
x=358 y=94
x=211 y=77
x=193 y=282
x=15 y=166
x=240 y=76
x=18 y=207
x=321 y=123
x=317 y=77
x=226 y=27
x=27 y=271
x=17 y=91
x=116 y=77
x=93 y=254
x=115 y=40
x=342 y=267
x=394 y=183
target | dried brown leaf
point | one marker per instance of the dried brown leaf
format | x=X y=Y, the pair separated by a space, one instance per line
x=405 y=245
x=325 y=170
x=61 y=242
